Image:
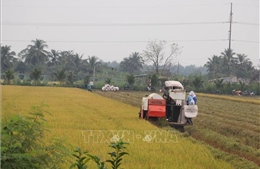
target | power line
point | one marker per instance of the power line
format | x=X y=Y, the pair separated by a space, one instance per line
x=122 y=24
x=247 y=5
x=134 y=41
x=245 y=41
x=230 y=24
x=122 y=7
x=141 y=41
x=91 y=7
x=247 y=23
x=106 y=24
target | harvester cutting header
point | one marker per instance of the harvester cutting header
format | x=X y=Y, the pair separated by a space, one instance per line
x=172 y=106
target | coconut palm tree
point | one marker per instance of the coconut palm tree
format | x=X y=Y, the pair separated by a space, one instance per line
x=219 y=83
x=35 y=54
x=54 y=56
x=60 y=75
x=244 y=66
x=21 y=67
x=243 y=61
x=36 y=74
x=7 y=58
x=92 y=63
x=228 y=55
x=65 y=60
x=213 y=66
x=8 y=76
x=242 y=58
x=76 y=62
x=130 y=79
x=132 y=64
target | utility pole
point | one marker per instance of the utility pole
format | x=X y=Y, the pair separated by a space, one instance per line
x=258 y=68
x=94 y=73
x=229 y=45
x=178 y=68
x=230 y=25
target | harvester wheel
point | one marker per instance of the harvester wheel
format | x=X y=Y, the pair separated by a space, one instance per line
x=146 y=116
x=179 y=128
x=140 y=113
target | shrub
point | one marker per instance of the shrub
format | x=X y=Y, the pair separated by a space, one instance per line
x=22 y=144
x=82 y=157
x=116 y=156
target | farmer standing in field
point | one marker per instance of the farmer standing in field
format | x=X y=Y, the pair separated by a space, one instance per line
x=193 y=96
x=192 y=99
x=89 y=87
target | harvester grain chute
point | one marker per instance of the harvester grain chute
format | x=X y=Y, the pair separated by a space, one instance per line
x=171 y=106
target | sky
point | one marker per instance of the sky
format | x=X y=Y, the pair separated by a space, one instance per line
x=113 y=29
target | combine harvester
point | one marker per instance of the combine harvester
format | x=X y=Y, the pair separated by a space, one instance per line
x=172 y=106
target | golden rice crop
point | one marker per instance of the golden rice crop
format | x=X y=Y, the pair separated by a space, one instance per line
x=90 y=121
x=224 y=119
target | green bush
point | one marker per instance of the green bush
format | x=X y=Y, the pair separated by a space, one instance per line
x=22 y=144
x=82 y=157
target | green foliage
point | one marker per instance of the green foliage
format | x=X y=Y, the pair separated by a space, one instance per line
x=186 y=82
x=227 y=88
x=70 y=78
x=35 y=54
x=100 y=164
x=197 y=82
x=117 y=154
x=154 y=80
x=17 y=81
x=242 y=85
x=81 y=159
x=130 y=79
x=22 y=143
x=132 y=64
x=87 y=80
x=7 y=58
x=92 y=62
x=60 y=75
x=8 y=76
x=219 y=83
x=108 y=81
x=115 y=161
x=256 y=87
x=230 y=63
x=36 y=74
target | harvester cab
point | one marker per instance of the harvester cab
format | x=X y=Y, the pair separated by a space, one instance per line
x=172 y=105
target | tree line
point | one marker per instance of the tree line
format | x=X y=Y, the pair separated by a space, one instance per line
x=35 y=64
x=228 y=63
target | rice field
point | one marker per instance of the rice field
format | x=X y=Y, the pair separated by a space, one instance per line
x=90 y=121
x=228 y=123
